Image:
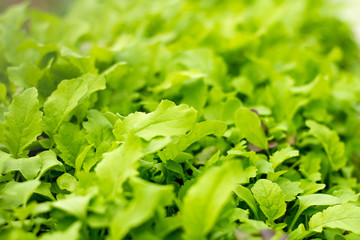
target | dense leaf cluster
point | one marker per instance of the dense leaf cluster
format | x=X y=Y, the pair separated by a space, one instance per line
x=209 y=119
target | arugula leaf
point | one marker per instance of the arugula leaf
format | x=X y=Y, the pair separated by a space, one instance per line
x=313 y=200
x=22 y=122
x=71 y=233
x=250 y=126
x=98 y=129
x=167 y=120
x=29 y=167
x=205 y=199
x=118 y=165
x=74 y=205
x=282 y=155
x=270 y=198
x=334 y=148
x=199 y=131
x=345 y=216
x=246 y=195
x=15 y=194
x=61 y=103
x=70 y=140
x=148 y=197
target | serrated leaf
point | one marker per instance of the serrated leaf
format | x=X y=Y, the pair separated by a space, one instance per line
x=290 y=189
x=118 y=165
x=270 y=198
x=199 y=131
x=62 y=101
x=98 y=129
x=314 y=200
x=345 y=217
x=29 y=167
x=15 y=194
x=330 y=141
x=22 y=122
x=282 y=155
x=166 y=121
x=71 y=141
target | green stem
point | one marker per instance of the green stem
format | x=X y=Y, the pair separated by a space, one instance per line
x=297 y=215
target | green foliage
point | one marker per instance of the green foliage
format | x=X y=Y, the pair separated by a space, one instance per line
x=179 y=120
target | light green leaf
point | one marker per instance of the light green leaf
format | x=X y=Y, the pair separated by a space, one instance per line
x=29 y=167
x=147 y=198
x=70 y=141
x=48 y=160
x=345 y=216
x=26 y=75
x=246 y=195
x=67 y=182
x=15 y=194
x=166 y=121
x=205 y=199
x=98 y=129
x=62 y=101
x=270 y=198
x=119 y=165
x=45 y=190
x=74 y=205
x=71 y=233
x=289 y=188
x=250 y=126
x=282 y=155
x=22 y=122
x=199 y=131
x=314 y=200
x=330 y=141
x=310 y=187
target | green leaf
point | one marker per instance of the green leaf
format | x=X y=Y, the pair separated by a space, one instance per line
x=48 y=161
x=71 y=233
x=289 y=188
x=61 y=103
x=199 y=131
x=246 y=195
x=67 y=182
x=70 y=141
x=147 y=198
x=270 y=198
x=22 y=122
x=314 y=200
x=345 y=216
x=205 y=199
x=69 y=93
x=166 y=121
x=29 y=167
x=15 y=194
x=330 y=141
x=26 y=75
x=250 y=126
x=74 y=205
x=282 y=155
x=118 y=165
x=98 y=129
